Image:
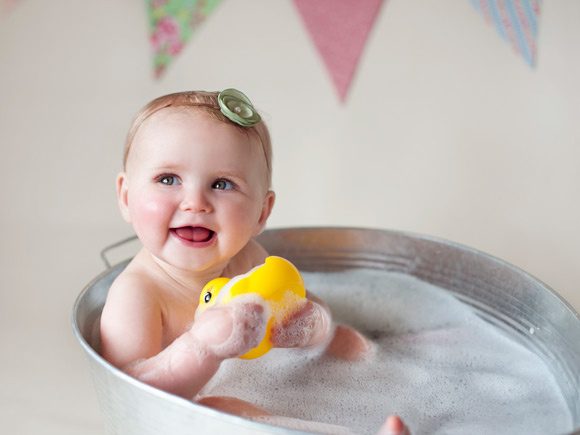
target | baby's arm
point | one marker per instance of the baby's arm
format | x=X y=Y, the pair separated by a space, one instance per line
x=131 y=322
x=186 y=365
x=132 y=338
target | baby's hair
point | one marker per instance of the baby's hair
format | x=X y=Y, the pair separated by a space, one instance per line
x=208 y=102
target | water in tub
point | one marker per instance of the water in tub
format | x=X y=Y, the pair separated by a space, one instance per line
x=435 y=363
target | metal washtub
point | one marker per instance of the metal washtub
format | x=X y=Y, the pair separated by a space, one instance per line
x=502 y=294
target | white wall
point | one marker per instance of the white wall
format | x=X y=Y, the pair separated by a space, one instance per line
x=444 y=132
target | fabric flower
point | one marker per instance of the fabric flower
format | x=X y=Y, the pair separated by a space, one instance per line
x=238 y=108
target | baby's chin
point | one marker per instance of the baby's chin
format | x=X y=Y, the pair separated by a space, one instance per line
x=177 y=259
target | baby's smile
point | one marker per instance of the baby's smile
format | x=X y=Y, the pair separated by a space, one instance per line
x=193 y=235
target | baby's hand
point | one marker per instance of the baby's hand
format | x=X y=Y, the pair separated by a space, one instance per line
x=310 y=326
x=231 y=330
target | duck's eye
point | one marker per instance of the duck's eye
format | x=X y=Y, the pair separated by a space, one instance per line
x=207 y=297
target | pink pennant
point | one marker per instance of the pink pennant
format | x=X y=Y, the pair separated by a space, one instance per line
x=7 y=5
x=339 y=29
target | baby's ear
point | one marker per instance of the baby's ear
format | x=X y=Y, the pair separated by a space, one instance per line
x=267 y=206
x=122 y=196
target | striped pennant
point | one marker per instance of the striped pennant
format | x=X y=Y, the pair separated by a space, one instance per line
x=516 y=21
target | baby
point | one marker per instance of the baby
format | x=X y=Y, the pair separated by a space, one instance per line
x=196 y=189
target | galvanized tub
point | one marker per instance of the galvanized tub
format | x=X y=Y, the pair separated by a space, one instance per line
x=502 y=294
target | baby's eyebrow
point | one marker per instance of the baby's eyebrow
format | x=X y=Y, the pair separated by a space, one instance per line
x=230 y=173
x=164 y=166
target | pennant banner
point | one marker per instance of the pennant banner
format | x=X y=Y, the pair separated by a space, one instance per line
x=339 y=29
x=171 y=25
x=516 y=21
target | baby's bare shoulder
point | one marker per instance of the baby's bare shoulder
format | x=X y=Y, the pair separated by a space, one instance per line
x=134 y=298
x=134 y=280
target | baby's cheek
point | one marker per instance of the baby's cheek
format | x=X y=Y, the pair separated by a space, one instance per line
x=150 y=211
x=146 y=201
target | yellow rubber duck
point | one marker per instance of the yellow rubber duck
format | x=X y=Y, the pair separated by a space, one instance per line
x=277 y=281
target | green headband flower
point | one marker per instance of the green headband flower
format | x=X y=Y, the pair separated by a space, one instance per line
x=238 y=108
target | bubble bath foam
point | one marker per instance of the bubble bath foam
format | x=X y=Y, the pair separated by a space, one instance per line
x=435 y=362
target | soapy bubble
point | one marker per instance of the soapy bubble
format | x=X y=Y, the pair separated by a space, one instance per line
x=436 y=364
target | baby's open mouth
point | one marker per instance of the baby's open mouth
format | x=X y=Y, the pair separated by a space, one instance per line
x=194 y=234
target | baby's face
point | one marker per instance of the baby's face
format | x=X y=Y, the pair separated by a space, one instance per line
x=195 y=188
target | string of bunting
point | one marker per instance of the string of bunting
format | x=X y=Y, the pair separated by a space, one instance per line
x=338 y=28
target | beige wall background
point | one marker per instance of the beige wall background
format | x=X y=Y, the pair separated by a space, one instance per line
x=444 y=132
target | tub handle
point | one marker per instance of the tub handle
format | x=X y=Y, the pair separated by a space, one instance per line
x=113 y=246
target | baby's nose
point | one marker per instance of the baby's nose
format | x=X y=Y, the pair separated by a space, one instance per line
x=195 y=201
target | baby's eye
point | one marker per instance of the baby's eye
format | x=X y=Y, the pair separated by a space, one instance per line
x=222 y=185
x=168 y=180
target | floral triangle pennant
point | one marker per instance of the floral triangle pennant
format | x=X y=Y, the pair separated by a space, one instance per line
x=339 y=29
x=516 y=21
x=171 y=25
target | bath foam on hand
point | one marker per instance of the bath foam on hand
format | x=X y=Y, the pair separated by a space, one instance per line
x=435 y=363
